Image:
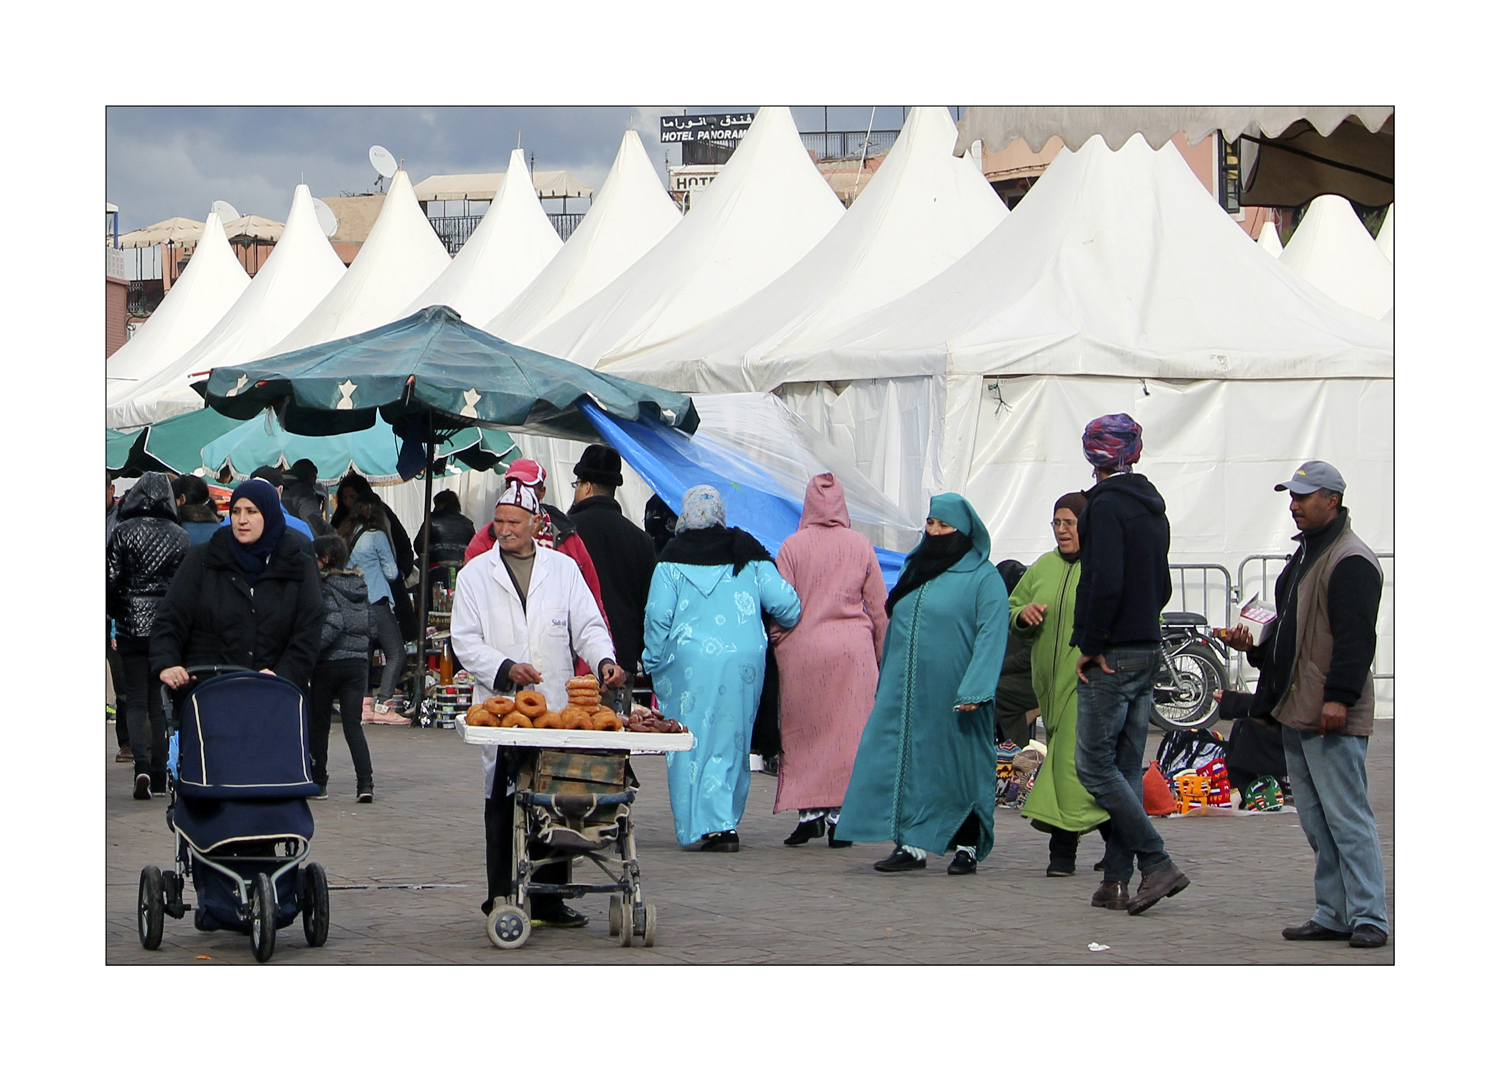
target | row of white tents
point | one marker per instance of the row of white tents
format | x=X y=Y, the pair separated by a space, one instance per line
x=935 y=341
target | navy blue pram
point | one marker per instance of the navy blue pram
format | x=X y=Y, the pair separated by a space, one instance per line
x=239 y=815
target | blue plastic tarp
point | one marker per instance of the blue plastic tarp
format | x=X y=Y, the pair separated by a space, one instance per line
x=670 y=462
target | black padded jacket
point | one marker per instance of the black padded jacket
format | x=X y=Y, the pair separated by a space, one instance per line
x=142 y=555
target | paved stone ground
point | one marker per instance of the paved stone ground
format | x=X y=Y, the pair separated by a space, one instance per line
x=1252 y=875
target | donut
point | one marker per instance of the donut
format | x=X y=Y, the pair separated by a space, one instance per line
x=482 y=717
x=476 y=708
x=506 y=704
x=587 y=679
x=532 y=704
x=515 y=720
x=607 y=721
x=574 y=718
x=547 y=720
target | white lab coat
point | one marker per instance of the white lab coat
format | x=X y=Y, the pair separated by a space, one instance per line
x=560 y=619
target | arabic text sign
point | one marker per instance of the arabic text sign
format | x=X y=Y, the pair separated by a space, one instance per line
x=705 y=127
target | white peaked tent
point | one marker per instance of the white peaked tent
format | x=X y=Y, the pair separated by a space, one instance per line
x=1332 y=250
x=1269 y=240
x=922 y=210
x=1118 y=284
x=762 y=214
x=1386 y=239
x=300 y=271
x=210 y=284
x=631 y=214
x=513 y=242
x=400 y=259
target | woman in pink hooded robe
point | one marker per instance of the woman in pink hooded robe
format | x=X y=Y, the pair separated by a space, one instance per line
x=829 y=663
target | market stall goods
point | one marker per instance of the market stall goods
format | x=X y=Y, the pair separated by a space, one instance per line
x=515 y=720
x=500 y=705
x=481 y=715
x=547 y=720
x=650 y=721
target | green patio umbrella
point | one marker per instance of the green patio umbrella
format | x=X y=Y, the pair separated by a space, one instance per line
x=210 y=440
x=430 y=376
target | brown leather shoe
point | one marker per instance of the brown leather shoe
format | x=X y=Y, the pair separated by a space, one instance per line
x=1168 y=881
x=125 y=754
x=1112 y=895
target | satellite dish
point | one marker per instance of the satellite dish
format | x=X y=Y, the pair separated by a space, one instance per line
x=327 y=221
x=226 y=212
x=382 y=160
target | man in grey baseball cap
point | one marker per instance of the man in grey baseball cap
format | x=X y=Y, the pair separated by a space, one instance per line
x=1315 y=680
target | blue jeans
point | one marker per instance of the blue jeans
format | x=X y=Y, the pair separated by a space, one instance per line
x=1331 y=791
x=1114 y=712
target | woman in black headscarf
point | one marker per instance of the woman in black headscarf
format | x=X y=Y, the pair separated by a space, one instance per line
x=247 y=597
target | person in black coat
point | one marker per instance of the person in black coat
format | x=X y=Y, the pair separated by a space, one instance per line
x=624 y=556
x=141 y=556
x=302 y=499
x=451 y=532
x=342 y=671
x=249 y=597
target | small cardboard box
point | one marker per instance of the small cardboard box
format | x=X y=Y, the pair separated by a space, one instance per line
x=1257 y=615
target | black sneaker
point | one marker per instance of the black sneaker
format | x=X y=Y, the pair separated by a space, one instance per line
x=900 y=860
x=322 y=793
x=1061 y=868
x=727 y=841
x=365 y=794
x=561 y=917
x=142 y=786
x=805 y=831
x=963 y=862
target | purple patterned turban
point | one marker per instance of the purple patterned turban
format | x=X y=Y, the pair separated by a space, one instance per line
x=1113 y=442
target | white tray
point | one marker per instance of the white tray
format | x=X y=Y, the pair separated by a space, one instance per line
x=636 y=743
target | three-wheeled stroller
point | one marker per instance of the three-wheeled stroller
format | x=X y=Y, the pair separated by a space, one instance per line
x=238 y=813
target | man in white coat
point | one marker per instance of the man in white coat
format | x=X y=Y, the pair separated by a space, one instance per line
x=520 y=613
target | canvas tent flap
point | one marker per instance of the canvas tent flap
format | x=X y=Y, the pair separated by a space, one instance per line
x=1334 y=252
x=1386 y=239
x=1115 y=263
x=298 y=274
x=631 y=214
x=1305 y=161
x=999 y=126
x=211 y=283
x=401 y=258
x=512 y=244
x=921 y=212
x=766 y=209
x=1269 y=240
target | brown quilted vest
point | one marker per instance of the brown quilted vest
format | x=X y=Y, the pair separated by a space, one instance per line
x=1302 y=705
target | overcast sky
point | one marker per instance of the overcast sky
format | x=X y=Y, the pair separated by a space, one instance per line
x=176 y=161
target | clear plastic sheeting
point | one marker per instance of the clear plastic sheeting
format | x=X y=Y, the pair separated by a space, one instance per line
x=762 y=428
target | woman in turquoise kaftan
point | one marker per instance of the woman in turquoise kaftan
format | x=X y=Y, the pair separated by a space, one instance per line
x=925 y=773
x=705 y=649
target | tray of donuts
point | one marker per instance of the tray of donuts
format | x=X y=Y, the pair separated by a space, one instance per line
x=525 y=720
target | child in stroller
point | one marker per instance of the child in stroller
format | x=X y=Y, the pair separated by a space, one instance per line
x=239 y=816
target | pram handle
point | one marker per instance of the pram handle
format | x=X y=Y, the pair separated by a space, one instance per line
x=215 y=670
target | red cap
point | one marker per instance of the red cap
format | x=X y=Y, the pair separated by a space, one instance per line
x=526 y=471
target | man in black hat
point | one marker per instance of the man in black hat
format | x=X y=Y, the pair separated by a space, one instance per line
x=624 y=556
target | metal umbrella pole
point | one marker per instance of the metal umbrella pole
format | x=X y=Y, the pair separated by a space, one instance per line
x=423 y=596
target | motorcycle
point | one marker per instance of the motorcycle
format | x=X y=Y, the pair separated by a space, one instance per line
x=1193 y=666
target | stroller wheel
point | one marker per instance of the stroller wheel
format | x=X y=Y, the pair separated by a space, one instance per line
x=616 y=915
x=263 y=917
x=150 y=905
x=648 y=931
x=315 y=906
x=508 y=927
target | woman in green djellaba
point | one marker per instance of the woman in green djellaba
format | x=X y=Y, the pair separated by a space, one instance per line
x=924 y=776
x=1042 y=607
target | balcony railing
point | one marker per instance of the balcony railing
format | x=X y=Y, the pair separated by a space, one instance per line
x=843 y=144
x=454 y=231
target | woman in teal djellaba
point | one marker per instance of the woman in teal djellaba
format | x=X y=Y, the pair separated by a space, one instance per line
x=925 y=773
x=705 y=648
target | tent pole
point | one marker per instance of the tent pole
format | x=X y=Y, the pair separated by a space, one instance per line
x=423 y=597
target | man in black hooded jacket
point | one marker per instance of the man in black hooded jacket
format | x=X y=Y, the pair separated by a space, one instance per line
x=1123 y=584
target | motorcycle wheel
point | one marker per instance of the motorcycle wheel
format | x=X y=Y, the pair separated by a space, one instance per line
x=1188 y=701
